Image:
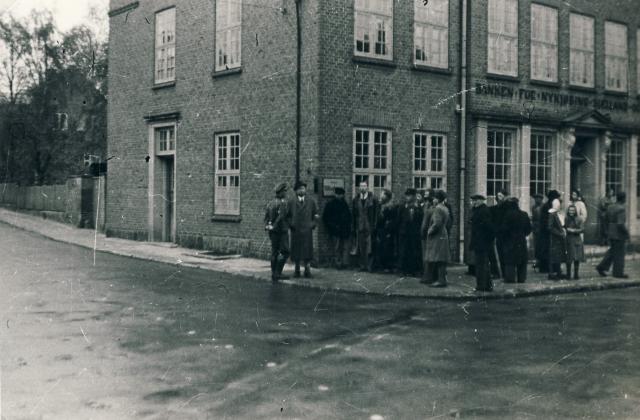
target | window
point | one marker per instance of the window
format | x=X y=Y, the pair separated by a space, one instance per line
x=544 y=43
x=165 y=140
x=227 y=178
x=429 y=163
x=165 y=69
x=582 y=50
x=372 y=159
x=615 y=56
x=638 y=61
x=62 y=121
x=502 y=45
x=540 y=165
x=498 y=161
x=374 y=28
x=228 y=34
x=431 y=33
x=614 y=167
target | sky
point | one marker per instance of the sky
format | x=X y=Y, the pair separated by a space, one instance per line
x=66 y=13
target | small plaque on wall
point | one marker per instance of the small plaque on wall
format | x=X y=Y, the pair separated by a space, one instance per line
x=329 y=184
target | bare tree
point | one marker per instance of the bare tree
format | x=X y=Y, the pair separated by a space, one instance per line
x=15 y=41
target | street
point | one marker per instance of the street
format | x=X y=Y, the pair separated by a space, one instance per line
x=126 y=338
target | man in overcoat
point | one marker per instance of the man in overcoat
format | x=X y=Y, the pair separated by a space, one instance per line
x=481 y=242
x=409 y=238
x=277 y=219
x=515 y=229
x=497 y=213
x=337 y=220
x=617 y=234
x=304 y=216
x=365 y=217
x=437 y=254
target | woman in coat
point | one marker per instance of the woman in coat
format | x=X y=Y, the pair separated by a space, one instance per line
x=543 y=234
x=557 y=238
x=515 y=229
x=437 y=252
x=575 y=246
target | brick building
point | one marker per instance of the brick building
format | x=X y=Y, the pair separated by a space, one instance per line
x=204 y=117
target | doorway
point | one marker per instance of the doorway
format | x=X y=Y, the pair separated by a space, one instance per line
x=168 y=188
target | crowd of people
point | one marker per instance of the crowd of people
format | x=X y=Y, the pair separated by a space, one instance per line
x=412 y=237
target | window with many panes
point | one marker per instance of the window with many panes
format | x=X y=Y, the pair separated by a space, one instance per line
x=228 y=34
x=499 y=160
x=615 y=56
x=614 y=169
x=544 y=43
x=502 y=42
x=429 y=161
x=227 y=174
x=540 y=164
x=431 y=33
x=374 y=28
x=372 y=158
x=165 y=140
x=582 y=53
x=165 y=63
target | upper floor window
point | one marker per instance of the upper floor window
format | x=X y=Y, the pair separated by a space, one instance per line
x=165 y=68
x=431 y=33
x=62 y=121
x=582 y=50
x=502 y=43
x=544 y=43
x=228 y=33
x=227 y=178
x=372 y=159
x=429 y=161
x=615 y=56
x=374 y=28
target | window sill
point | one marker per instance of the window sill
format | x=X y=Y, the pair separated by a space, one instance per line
x=544 y=83
x=583 y=88
x=495 y=76
x=377 y=61
x=164 y=85
x=227 y=72
x=616 y=93
x=431 y=69
x=228 y=218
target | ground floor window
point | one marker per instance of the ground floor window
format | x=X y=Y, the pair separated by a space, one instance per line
x=429 y=162
x=227 y=174
x=540 y=165
x=615 y=166
x=499 y=163
x=372 y=158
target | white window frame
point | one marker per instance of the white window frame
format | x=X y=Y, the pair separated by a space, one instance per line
x=164 y=147
x=582 y=50
x=541 y=162
x=226 y=182
x=638 y=61
x=431 y=33
x=502 y=37
x=228 y=34
x=425 y=175
x=165 y=46
x=544 y=43
x=616 y=57
x=62 y=121
x=506 y=164
x=369 y=17
x=369 y=172
x=615 y=156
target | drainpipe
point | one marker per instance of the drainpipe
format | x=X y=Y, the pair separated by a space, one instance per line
x=298 y=86
x=463 y=124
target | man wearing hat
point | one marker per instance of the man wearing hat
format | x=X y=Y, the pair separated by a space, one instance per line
x=304 y=215
x=277 y=219
x=409 y=238
x=337 y=219
x=481 y=242
x=437 y=254
x=365 y=219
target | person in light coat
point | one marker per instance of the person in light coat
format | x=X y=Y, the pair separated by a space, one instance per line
x=437 y=253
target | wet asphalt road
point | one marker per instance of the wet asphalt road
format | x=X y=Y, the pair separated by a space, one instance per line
x=132 y=339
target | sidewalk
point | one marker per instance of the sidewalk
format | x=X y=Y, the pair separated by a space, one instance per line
x=461 y=286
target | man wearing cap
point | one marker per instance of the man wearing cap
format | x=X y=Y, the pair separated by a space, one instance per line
x=277 y=219
x=304 y=215
x=409 y=238
x=481 y=242
x=365 y=217
x=337 y=219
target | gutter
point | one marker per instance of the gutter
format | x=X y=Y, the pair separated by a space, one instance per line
x=462 y=109
x=298 y=86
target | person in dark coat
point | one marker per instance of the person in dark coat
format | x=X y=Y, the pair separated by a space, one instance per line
x=437 y=253
x=365 y=210
x=277 y=219
x=337 y=220
x=544 y=234
x=574 y=226
x=386 y=233
x=603 y=205
x=515 y=229
x=536 y=212
x=304 y=216
x=497 y=213
x=557 y=242
x=481 y=242
x=617 y=234
x=409 y=238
